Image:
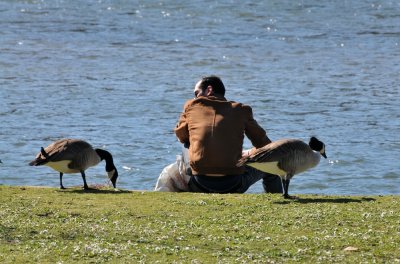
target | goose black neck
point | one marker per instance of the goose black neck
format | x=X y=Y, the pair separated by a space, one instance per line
x=105 y=155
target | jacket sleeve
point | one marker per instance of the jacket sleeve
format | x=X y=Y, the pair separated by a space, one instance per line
x=255 y=133
x=182 y=129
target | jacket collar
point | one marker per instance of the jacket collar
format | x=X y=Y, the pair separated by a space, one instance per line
x=215 y=97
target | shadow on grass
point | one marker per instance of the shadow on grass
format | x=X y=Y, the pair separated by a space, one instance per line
x=327 y=200
x=93 y=190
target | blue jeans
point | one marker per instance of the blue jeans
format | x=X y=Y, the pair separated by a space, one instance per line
x=236 y=183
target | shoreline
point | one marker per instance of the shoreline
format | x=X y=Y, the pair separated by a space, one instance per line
x=99 y=187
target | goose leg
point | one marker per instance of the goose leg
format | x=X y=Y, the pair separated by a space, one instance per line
x=85 y=186
x=285 y=183
x=61 y=185
x=286 y=188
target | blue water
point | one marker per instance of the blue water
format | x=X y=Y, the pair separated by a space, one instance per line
x=116 y=73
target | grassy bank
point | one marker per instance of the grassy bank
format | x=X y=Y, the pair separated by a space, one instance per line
x=50 y=225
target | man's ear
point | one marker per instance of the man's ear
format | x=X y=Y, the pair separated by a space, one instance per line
x=209 y=90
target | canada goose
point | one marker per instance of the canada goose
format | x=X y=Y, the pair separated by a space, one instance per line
x=73 y=156
x=285 y=158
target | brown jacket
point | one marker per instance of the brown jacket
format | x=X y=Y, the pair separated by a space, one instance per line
x=215 y=129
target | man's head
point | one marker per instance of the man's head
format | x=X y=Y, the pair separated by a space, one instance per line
x=209 y=85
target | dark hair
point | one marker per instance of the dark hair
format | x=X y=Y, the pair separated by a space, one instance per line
x=215 y=82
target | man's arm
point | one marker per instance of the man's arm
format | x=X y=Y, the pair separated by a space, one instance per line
x=182 y=128
x=254 y=132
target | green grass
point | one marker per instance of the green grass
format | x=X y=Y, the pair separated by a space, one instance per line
x=47 y=225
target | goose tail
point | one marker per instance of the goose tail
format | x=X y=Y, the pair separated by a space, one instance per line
x=39 y=160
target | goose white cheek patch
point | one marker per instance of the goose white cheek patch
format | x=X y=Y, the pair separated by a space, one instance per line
x=110 y=174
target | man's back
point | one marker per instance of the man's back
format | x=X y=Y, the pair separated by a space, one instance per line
x=215 y=129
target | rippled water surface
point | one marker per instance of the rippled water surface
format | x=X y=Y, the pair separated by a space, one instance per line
x=116 y=73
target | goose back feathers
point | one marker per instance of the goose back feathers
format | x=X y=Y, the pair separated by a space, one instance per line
x=67 y=156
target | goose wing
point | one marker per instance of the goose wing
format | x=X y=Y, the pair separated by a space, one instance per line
x=274 y=152
x=66 y=149
x=63 y=149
